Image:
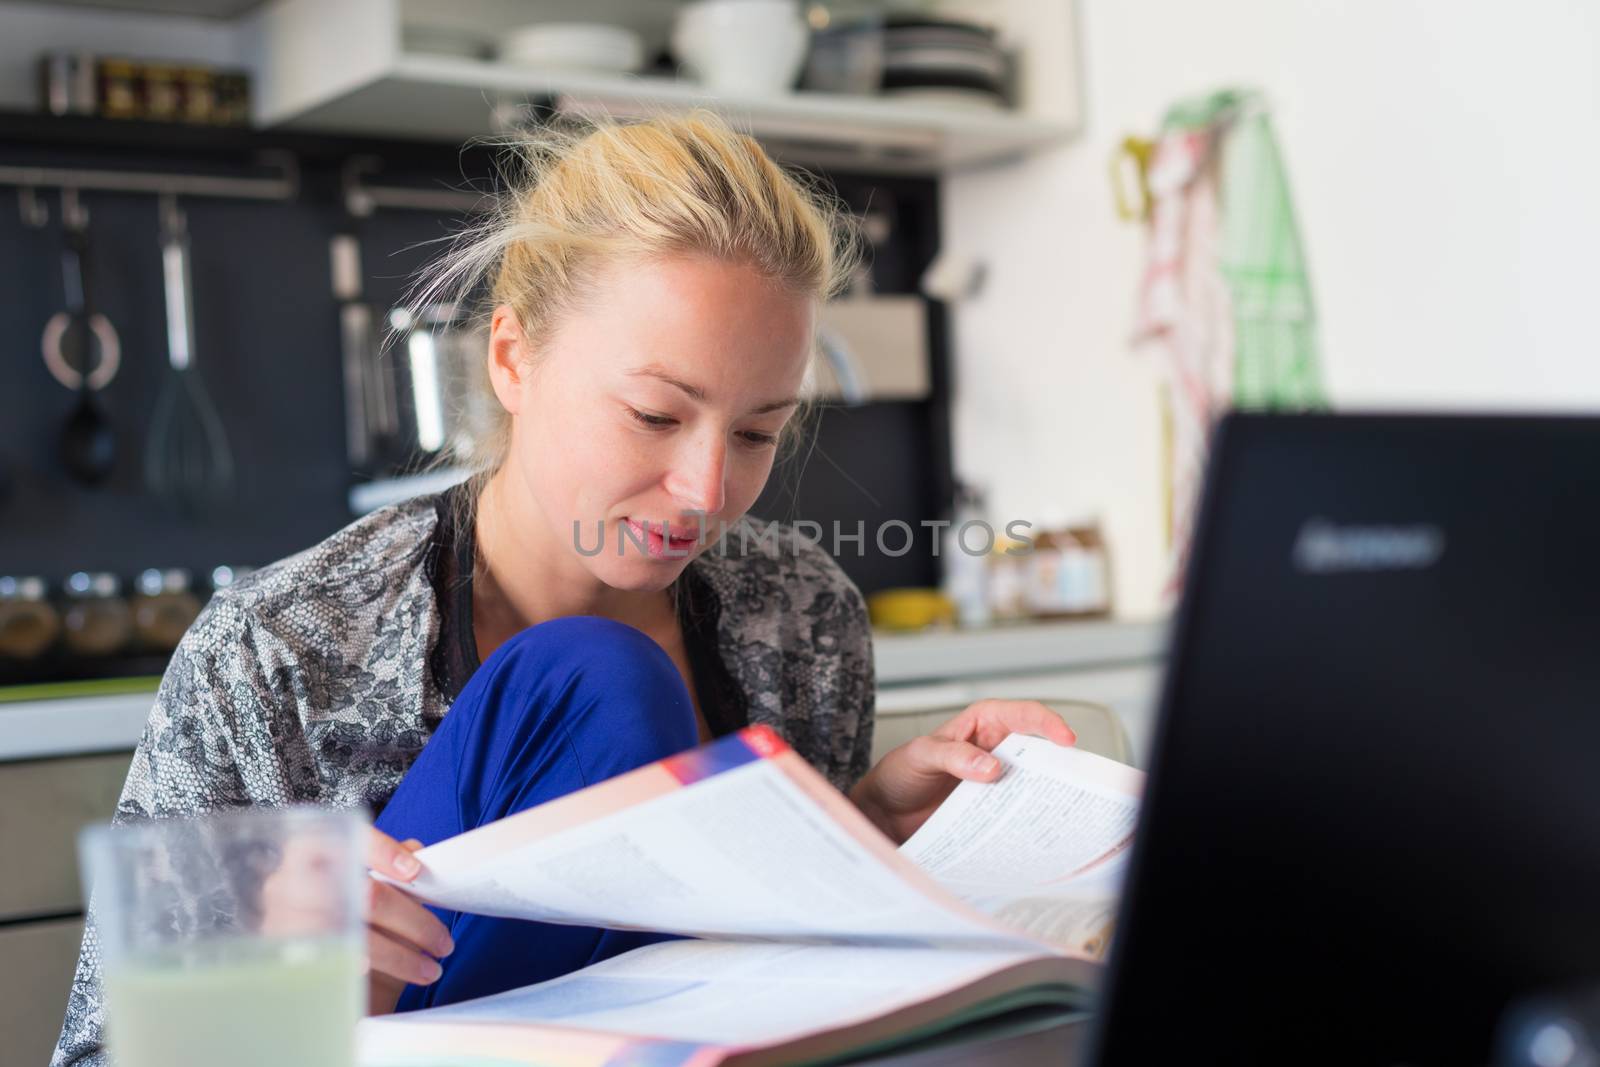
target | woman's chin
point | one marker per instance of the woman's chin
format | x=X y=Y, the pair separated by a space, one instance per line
x=638 y=574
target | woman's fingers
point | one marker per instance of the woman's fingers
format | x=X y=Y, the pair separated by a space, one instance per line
x=403 y=919
x=932 y=756
x=388 y=856
x=987 y=722
x=389 y=957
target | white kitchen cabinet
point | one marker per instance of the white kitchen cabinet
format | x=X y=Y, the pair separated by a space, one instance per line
x=43 y=805
x=36 y=963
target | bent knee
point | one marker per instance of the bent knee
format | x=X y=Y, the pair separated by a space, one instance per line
x=592 y=649
x=582 y=637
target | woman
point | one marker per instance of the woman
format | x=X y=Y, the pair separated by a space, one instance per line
x=654 y=290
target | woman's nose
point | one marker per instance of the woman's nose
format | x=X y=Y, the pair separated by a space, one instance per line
x=699 y=475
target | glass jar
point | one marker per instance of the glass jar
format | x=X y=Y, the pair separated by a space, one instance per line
x=96 y=621
x=29 y=624
x=224 y=576
x=164 y=608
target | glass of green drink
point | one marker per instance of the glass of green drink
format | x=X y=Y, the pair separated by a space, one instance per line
x=235 y=938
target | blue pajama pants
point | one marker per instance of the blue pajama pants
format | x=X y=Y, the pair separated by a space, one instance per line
x=560 y=706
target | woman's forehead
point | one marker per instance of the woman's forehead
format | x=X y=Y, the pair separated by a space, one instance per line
x=701 y=325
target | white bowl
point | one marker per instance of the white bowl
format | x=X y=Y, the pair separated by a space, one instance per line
x=752 y=47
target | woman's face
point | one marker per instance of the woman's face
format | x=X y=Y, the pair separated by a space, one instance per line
x=660 y=400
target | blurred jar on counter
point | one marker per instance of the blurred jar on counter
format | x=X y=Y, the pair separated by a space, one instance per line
x=29 y=623
x=95 y=620
x=1008 y=579
x=1067 y=573
x=164 y=608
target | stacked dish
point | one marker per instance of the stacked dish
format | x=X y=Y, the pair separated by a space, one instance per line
x=576 y=46
x=944 y=61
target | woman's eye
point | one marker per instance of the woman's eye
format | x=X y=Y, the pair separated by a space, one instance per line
x=653 y=421
x=759 y=439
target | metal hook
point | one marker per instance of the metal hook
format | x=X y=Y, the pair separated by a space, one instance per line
x=74 y=215
x=32 y=207
x=357 y=201
x=172 y=220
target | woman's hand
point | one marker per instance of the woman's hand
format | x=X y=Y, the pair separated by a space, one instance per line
x=405 y=940
x=911 y=781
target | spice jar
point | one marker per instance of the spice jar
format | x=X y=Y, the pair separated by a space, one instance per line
x=96 y=621
x=223 y=576
x=28 y=623
x=164 y=608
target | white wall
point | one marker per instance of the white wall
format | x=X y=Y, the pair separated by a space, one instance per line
x=1445 y=159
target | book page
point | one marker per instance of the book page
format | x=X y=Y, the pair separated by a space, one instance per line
x=732 y=844
x=724 y=994
x=1043 y=848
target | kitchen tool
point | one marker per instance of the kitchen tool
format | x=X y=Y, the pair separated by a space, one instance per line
x=574 y=46
x=88 y=442
x=752 y=47
x=444 y=354
x=355 y=344
x=187 y=459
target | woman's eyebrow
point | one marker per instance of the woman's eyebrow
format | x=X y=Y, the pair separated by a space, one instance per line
x=694 y=392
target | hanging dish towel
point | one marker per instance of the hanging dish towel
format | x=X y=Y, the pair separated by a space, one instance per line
x=1225 y=295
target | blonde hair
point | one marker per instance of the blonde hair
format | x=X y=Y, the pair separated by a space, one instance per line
x=580 y=198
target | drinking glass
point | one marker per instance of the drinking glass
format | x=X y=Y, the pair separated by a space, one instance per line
x=235 y=938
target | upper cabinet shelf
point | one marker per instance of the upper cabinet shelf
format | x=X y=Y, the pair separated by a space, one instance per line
x=342 y=67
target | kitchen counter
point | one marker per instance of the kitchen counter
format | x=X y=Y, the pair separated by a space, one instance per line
x=77 y=725
x=68 y=726
x=1015 y=648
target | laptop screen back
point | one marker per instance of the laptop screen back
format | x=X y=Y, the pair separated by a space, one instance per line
x=1374 y=807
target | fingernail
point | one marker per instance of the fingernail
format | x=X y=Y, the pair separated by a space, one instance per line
x=407 y=864
x=430 y=971
x=984 y=764
x=444 y=947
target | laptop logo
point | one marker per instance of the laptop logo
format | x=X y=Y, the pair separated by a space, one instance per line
x=1323 y=547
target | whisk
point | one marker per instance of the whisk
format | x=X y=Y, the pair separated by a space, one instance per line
x=186 y=458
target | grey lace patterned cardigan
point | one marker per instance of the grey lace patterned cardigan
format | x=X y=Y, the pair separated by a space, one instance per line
x=319 y=679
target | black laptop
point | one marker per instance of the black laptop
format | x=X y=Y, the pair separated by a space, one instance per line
x=1373 y=814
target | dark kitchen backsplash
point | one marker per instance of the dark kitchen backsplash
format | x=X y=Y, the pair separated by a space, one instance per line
x=267 y=348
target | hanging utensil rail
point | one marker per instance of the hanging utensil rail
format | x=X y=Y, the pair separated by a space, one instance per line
x=361 y=199
x=285 y=186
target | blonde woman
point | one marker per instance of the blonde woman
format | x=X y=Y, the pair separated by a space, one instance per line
x=453 y=659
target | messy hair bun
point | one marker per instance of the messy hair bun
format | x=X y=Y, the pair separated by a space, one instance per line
x=579 y=198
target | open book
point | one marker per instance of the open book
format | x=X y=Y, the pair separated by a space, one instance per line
x=813 y=936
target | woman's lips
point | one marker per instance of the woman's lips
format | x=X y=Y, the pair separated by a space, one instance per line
x=679 y=542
